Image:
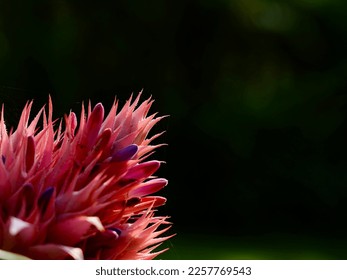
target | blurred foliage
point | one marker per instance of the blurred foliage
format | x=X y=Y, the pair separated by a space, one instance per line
x=267 y=247
x=255 y=90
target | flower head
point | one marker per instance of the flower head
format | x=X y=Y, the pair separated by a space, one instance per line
x=83 y=190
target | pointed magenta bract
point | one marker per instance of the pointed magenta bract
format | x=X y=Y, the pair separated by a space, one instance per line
x=81 y=189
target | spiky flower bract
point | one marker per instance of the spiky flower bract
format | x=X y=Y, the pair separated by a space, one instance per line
x=81 y=189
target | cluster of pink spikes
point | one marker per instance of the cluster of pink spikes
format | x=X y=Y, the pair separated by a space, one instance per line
x=81 y=189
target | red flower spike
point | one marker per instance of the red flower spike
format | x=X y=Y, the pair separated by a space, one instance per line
x=83 y=190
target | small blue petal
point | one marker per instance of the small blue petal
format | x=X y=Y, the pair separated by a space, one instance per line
x=118 y=231
x=44 y=198
x=126 y=153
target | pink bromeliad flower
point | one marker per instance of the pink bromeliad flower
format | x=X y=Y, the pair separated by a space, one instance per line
x=81 y=190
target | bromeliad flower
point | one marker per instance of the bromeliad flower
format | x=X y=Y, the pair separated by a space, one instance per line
x=81 y=191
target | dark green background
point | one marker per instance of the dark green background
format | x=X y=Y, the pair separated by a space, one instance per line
x=256 y=93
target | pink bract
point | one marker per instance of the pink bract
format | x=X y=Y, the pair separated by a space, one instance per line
x=81 y=190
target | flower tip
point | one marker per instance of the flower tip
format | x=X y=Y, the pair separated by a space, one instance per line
x=98 y=106
x=98 y=111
